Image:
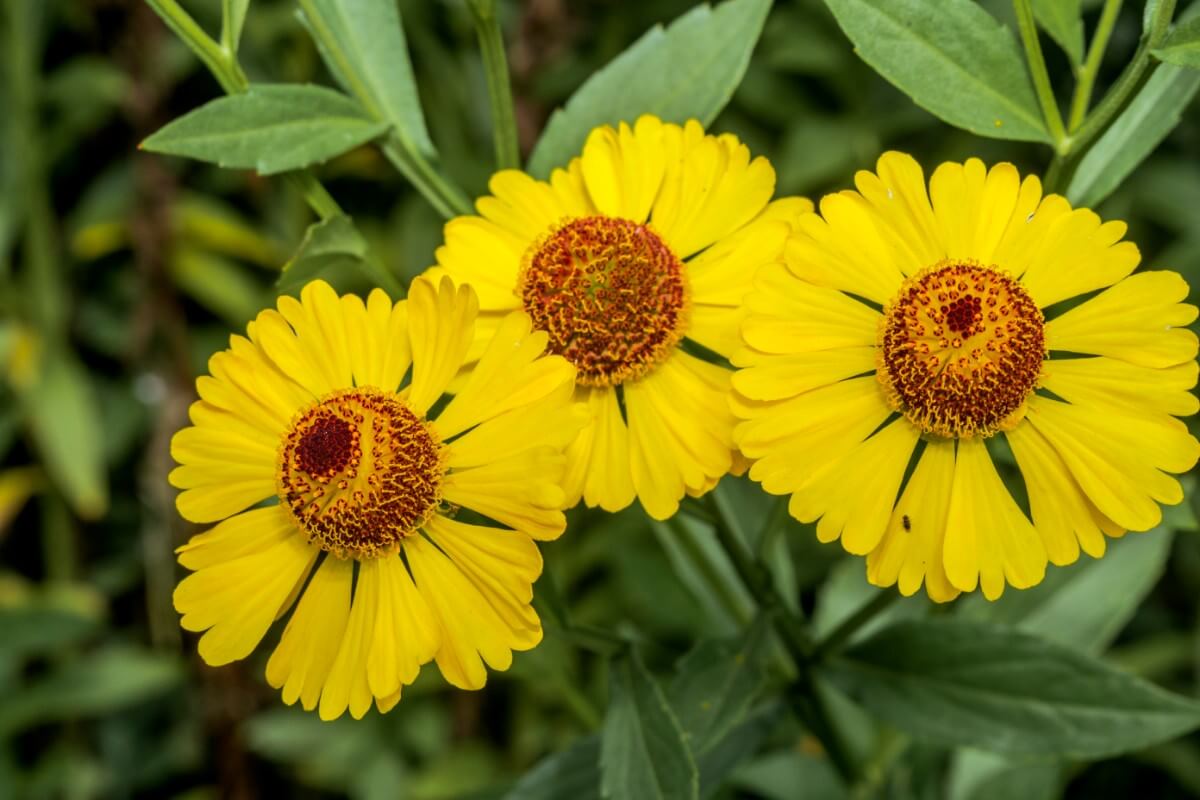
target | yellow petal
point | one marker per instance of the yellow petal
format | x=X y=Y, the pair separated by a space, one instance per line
x=623 y=168
x=522 y=491
x=236 y=601
x=1110 y=383
x=377 y=332
x=911 y=549
x=1061 y=512
x=788 y=315
x=1140 y=320
x=406 y=632
x=775 y=377
x=598 y=460
x=853 y=497
x=552 y=421
x=841 y=248
x=486 y=256
x=305 y=653
x=710 y=188
x=524 y=207
x=214 y=499
x=346 y=686
x=903 y=214
x=472 y=632
x=988 y=539
x=511 y=373
x=249 y=532
x=441 y=325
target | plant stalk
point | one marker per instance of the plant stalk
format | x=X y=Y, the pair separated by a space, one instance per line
x=1037 y=68
x=1091 y=64
x=495 y=65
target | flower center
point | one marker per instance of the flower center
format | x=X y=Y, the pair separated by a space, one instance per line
x=359 y=471
x=961 y=348
x=610 y=294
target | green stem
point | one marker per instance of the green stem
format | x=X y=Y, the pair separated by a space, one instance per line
x=1091 y=64
x=1037 y=68
x=891 y=745
x=734 y=604
x=805 y=696
x=495 y=64
x=838 y=637
x=773 y=528
x=447 y=199
x=222 y=63
x=1130 y=79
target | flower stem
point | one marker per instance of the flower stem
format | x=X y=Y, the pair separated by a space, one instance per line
x=1037 y=68
x=805 y=696
x=495 y=64
x=838 y=637
x=1091 y=64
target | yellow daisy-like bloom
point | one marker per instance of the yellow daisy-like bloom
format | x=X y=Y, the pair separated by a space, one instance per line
x=907 y=328
x=647 y=241
x=308 y=409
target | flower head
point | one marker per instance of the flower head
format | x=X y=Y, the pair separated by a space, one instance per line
x=911 y=333
x=634 y=259
x=312 y=410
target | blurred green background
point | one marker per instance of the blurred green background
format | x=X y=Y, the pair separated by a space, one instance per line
x=121 y=272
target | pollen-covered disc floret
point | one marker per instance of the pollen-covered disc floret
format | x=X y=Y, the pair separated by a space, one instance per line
x=611 y=295
x=359 y=471
x=961 y=348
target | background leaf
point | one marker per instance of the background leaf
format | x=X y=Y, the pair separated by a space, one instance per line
x=952 y=58
x=643 y=753
x=363 y=46
x=1061 y=19
x=64 y=420
x=1182 y=46
x=960 y=683
x=332 y=245
x=1075 y=605
x=1145 y=122
x=687 y=71
x=270 y=128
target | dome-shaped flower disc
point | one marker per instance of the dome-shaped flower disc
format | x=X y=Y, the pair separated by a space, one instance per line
x=910 y=333
x=323 y=409
x=634 y=259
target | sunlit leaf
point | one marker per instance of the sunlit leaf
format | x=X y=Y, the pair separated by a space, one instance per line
x=687 y=71
x=1061 y=19
x=952 y=58
x=269 y=128
x=363 y=46
x=1182 y=46
x=330 y=245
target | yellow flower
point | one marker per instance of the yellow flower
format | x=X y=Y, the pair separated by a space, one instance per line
x=639 y=251
x=907 y=328
x=309 y=409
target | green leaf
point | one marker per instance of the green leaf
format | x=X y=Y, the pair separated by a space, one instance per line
x=978 y=775
x=572 y=772
x=102 y=683
x=643 y=753
x=775 y=776
x=217 y=283
x=688 y=71
x=1061 y=19
x=952 y=58
x=716 y=684
x=738 y=744
x=62 y=415
x=32 y=630
x=1132 y=136
x=1074 y=605
x=704 y=568
x=233 y=19
x=328 y=246
x=269 y=128
x=363 y=46
x=1182 y=46
x=962 y=683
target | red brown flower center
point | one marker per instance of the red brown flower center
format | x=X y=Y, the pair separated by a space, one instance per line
x=359 y=471
x=611 y=295
x=960 y=349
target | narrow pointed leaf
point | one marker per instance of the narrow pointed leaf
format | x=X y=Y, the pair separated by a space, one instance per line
x=952 y=58
x=969 y=684
x=269 y=128
x=643 y=753
x=687 y=71
x=1062 y=20
x=363 y=45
